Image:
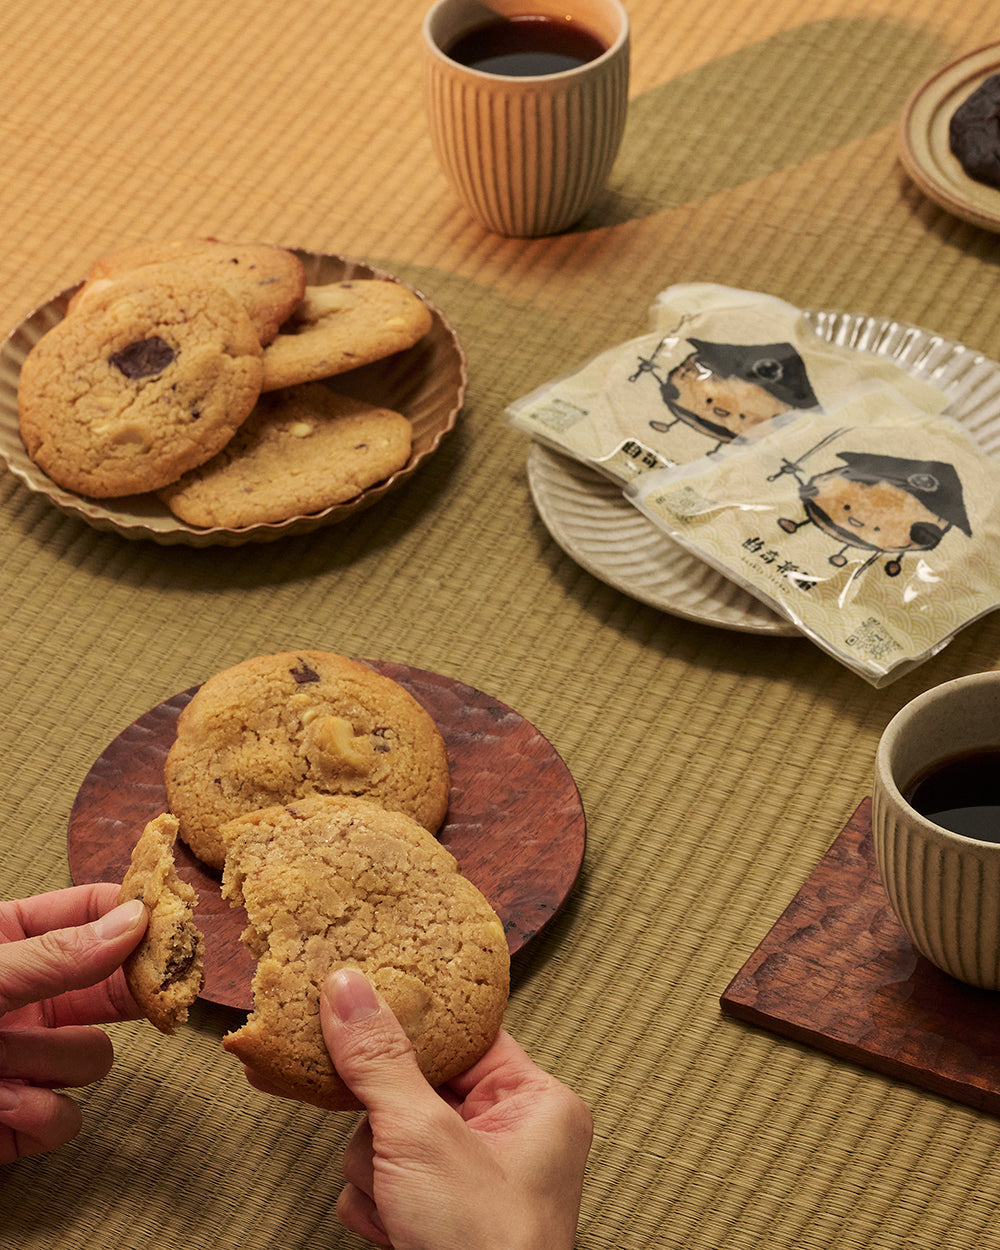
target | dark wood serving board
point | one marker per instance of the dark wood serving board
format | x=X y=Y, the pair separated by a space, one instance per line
x=515 y=820
x=838 y=972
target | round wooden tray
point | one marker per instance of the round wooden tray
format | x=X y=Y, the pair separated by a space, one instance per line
x=515 y=821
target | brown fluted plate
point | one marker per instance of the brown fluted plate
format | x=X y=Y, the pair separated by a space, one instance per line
x=426 y=384
x=515 y=820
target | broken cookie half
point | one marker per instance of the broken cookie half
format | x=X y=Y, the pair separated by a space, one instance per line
x=332 y=882
x=328 y=882
x=165 y=972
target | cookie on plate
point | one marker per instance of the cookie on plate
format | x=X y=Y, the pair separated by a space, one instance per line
x=329 y=883
x=269 y=281
x=342 y=326
x=280 y=727
x=165 y=972
x=301 y=450
x=149 y=377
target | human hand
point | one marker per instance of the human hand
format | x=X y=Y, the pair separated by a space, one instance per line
x=494 y=1159
x=60 y=973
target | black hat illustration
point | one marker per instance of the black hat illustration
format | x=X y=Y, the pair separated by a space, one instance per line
x=775 y=367
x=934 y=482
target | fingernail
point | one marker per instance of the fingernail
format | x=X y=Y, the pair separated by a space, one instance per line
x=119 y=920
x=351 y=997
x=10 y=1097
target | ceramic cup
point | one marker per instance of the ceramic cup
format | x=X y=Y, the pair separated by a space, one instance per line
x=943 y=887
x=527 y=156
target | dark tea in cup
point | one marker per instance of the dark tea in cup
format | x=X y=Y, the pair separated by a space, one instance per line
x=935 y=805
x=528 y=144
x=526 y=45
x=961 y=793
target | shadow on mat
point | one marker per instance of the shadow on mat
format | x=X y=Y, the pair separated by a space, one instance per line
x=765 y=108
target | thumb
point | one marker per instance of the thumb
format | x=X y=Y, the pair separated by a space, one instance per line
x=368 y=1046
x=46 y=966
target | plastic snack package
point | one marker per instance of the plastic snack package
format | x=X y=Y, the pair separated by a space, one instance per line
x=874 y=528
x=719 y=363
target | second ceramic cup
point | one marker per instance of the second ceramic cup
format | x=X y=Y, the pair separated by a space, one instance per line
x=528 y=155
x=943 y=887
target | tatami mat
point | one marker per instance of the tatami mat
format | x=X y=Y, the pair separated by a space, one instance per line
x=715 y=767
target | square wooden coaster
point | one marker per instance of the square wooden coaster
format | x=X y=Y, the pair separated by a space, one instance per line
x=838 y=972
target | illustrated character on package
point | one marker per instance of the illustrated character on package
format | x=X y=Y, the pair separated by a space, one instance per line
x=885 y=505
x=877 y=556
x=725 y=389
x=718 y=365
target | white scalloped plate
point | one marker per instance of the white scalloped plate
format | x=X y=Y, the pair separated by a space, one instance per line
x=596 y=526
x=426 y=384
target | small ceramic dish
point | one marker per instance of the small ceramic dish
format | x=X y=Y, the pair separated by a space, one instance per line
x=925 y=147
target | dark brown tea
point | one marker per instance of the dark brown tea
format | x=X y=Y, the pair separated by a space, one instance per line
x=961 y=794
x=526 y=45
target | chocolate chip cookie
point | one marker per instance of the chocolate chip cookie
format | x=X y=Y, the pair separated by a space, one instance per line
x=300 y=451
x=343 y=326
x=268 y=281
x=332 y=882
x=149 y=377
x=280 y=727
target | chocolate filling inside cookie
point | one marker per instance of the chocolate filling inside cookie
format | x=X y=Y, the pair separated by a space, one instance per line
x=180 y=963
x=143 y=359
x=165 y=972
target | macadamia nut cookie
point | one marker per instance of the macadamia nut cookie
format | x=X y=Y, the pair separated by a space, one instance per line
x=299 y=451
x=331 y=882
x=343 y=326
x=280 y=727
x=149 y=377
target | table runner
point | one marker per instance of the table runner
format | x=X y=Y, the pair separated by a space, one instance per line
x=715 y=767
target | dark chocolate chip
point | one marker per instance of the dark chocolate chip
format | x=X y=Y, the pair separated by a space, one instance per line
x=303 y=674
x=143 y=359
x=177 y=969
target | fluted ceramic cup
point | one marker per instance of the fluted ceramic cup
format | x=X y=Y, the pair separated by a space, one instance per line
x=943 y=887
x=527 y=155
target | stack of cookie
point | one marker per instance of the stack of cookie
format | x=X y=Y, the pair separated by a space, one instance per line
x=316 y=786
x=193 y=370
